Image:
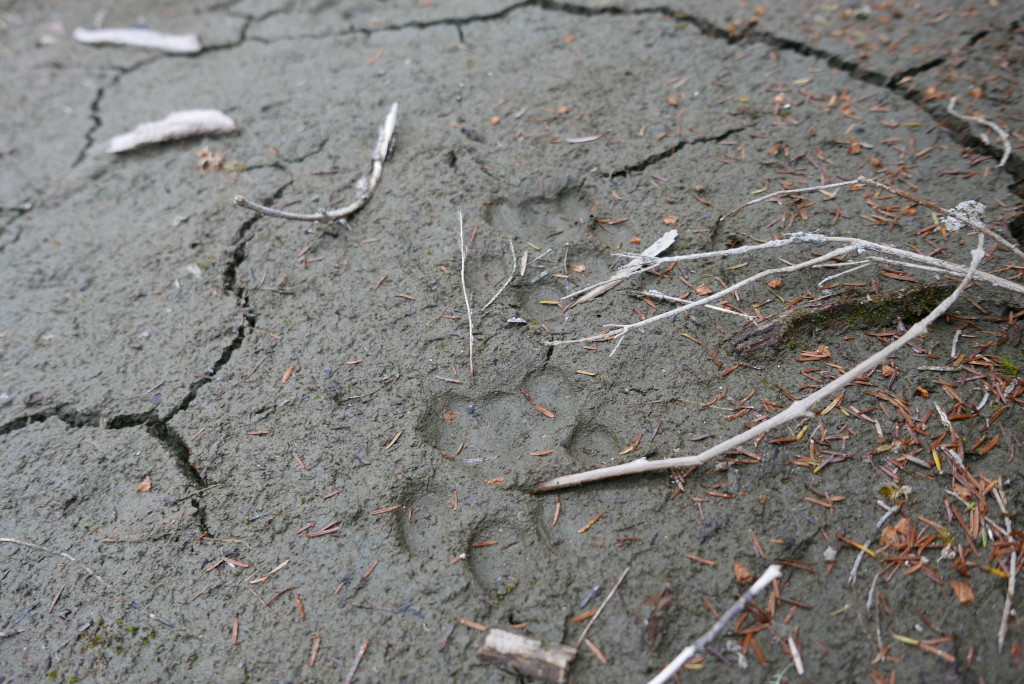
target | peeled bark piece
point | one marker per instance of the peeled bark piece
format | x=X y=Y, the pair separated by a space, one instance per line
x=176 y=125
x=529 y=657
x=178 y=44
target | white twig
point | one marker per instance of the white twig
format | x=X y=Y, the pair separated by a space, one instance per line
x=854 y=266
x=852 y=579
x=654 y=294
x=1003 y=136
x=180 y=44
x=794 y=650
x=621 y=330
x=40 y=547
x=797 y=409
x=465 y=292
x=864 y=180
x=773 y=572
x=365 y=186
x=187 y=123
x=795 y=191
x=583 y=634
x=634 y=266
x=918 y=261
x=1011 y=586
x=501 y=289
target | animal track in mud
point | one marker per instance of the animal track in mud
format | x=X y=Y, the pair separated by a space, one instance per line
x=498 y=569
x=428 y=535
x=526 y=419
x=534 y=218
x=499 y=549
x=589 y=442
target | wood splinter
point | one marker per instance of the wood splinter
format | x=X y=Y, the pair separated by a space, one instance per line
x=525 y=656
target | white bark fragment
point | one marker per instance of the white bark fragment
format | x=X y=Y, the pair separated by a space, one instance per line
x=176 y=125
x=178 y=44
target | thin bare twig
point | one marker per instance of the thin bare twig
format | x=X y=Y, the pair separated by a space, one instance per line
x=797 y=409
x=355 y=664
x=889 y=510
x=634 y=266
x=1003 y=136
x=364 y=186
x=772 y=573
x=919 y=261
x=607 y=598
x=619 y=331
x=40 y=547
x=501 y=289
x=465 y=292
x=864 y=180
x=1011 y=585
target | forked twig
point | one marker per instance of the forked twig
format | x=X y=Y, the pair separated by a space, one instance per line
x=619 y=331
x=364 y=186
x=635 y=265
x=966 y=214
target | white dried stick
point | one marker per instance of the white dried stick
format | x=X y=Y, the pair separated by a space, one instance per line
x=635 y=265
x=1003 y=136
x=187 y=123
x=797 y=409
x=619 y=331
x=465 y=292
x=179 y=44
x=959 y=215
x=927 y=263
x=364 y=186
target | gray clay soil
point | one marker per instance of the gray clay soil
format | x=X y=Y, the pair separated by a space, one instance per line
x=189 y=392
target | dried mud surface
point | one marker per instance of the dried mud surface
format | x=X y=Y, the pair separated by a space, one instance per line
x=189 y=392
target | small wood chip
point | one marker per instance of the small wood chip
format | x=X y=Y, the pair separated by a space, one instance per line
x=528 y=657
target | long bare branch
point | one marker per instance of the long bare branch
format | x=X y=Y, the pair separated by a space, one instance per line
x=797 y=409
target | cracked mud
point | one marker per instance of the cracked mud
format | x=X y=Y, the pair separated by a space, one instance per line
x=182 y=382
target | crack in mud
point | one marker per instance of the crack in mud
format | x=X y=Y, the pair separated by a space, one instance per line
x=645 y=163
x=894 y=83
x=94 y=114
x=744 y=36
x=159 y=427
x=24 y=421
